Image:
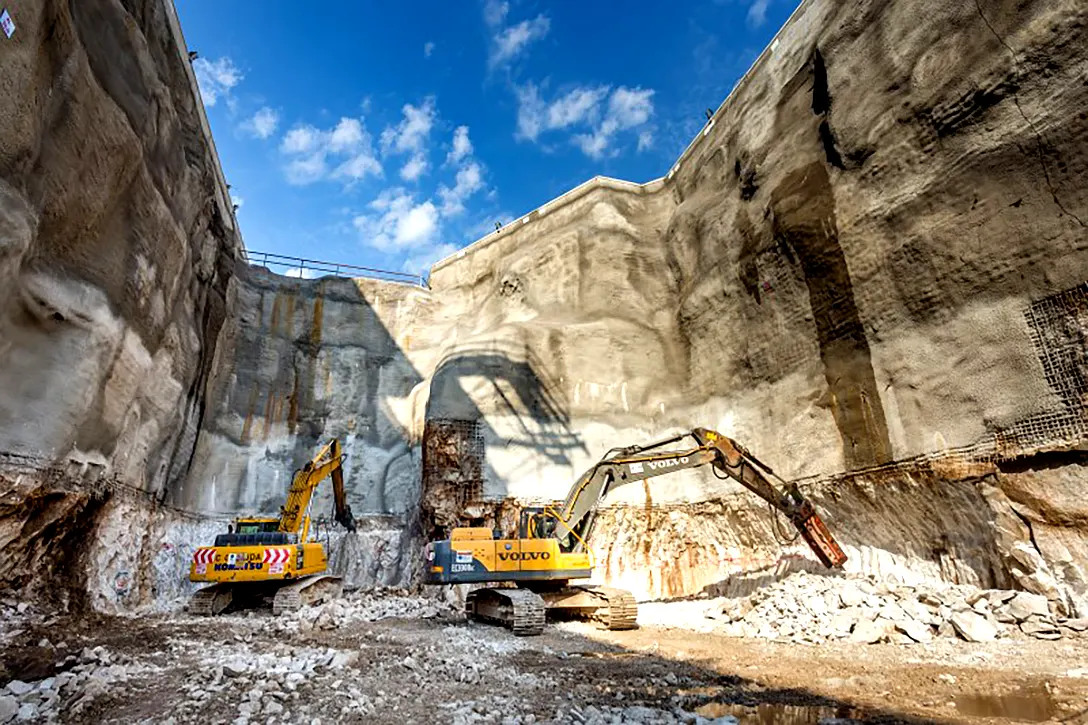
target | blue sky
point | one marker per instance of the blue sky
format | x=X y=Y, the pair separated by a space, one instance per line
x=392 y=134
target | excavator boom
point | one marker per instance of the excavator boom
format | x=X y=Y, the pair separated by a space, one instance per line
x=638 y=463
x=739 y=464
x=328 y=461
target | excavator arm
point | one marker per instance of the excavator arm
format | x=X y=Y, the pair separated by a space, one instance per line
x=638 y=463
x=327 y=462
x=739 y=464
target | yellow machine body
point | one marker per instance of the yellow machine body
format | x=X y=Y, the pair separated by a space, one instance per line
x=474 y=555
x=257 y=563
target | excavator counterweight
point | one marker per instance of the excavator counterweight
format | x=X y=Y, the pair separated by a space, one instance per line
x=534 y=567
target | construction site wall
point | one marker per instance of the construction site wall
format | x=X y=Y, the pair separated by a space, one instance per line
x=868 y=268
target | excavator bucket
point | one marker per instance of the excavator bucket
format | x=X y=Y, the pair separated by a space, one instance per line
x=815 y=533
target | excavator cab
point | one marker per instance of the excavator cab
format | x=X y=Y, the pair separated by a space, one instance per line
x=255 y=525
x=535 y=522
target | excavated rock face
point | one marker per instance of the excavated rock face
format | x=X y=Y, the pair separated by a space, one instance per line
x=869 y=269
x=874 y=253
x=116 y=247
x=298 y=363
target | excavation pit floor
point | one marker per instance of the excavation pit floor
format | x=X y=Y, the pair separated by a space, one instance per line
x=439 y=668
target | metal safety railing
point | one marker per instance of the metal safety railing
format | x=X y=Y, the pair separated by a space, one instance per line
x=303 y=268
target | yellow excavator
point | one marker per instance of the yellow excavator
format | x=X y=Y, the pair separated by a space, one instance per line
x=262 y=558
x=534 y=570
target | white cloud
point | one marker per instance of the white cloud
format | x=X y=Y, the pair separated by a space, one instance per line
x=630 y=107
x=576 y=106
x=495 y=12
x=413 y=130
x=645 y=140
x=342 y=152
x=216 y=78
x=347 y=136
x=414 y=168
x=580 y=105
x=627 y=108
x=263 y=123
x=428 y=48
x=462 y=147
x=422 y=262
x=237 y=201
x=306 y=170
x=358 y=166
x=532 y=112
x=300 y=273
x=399 y=222
x=300 y=139
x=592 y=144
x=469 y=181
x=509 y=42
x=757 y=13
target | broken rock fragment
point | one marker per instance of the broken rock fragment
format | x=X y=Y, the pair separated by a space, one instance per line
x=867 y=632
x=915 y=630
x=9 y=706
x=1026 y=604
x=1040 y=628
x=973 y=627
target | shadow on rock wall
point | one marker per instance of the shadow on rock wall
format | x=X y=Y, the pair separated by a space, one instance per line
x=301 y=362
x=525 y=428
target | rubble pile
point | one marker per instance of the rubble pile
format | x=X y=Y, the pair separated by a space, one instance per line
x=280 y=682
x=366 y=606
x=81 y=679
x=812 y=609
x=15 y=618
x=289 y=683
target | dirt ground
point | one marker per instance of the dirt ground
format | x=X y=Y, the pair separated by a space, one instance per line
x=249 y=668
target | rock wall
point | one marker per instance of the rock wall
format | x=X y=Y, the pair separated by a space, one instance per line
x=868 y=267
x=874 y=210
x=300 y=362
x=871 y=259
x=116 y=248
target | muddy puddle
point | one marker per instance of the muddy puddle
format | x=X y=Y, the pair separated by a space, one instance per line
x=772 y=714
x=1027 y=705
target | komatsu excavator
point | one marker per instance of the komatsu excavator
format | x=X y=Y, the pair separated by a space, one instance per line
x=550 y=550
x=265 y=558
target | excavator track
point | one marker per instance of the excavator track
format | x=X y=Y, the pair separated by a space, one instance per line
x=620 y=610
x=212 y=600
x=610 y=608
x=521 y=610
x=308 y=590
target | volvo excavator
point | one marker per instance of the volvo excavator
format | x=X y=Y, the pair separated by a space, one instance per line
x=263 y=558
x=535 y=569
